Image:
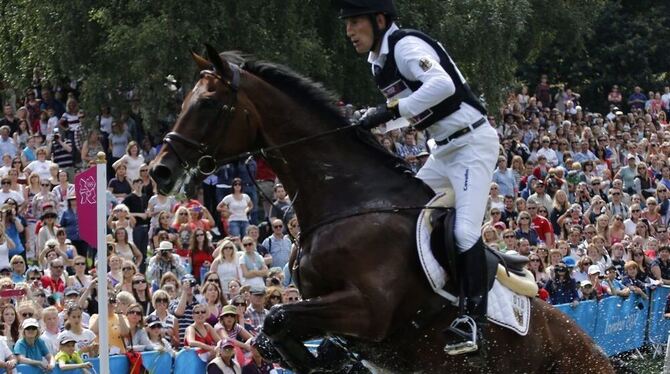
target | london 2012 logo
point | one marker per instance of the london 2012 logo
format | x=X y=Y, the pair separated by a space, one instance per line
x=86 y=191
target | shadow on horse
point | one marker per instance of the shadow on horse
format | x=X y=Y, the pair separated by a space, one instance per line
x=359 y=273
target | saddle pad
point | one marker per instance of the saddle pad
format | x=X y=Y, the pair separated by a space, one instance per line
x=505 y=308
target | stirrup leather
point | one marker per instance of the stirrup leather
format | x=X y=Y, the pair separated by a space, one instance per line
x=468 y=339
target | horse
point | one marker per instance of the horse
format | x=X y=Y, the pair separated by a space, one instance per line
x=358 y=269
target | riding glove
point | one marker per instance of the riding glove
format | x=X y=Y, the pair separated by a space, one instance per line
x=382 y=114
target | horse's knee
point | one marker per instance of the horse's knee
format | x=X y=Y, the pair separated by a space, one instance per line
x=266 y=348
x=274 y=321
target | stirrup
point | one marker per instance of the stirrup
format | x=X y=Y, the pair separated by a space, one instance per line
x=468 y=339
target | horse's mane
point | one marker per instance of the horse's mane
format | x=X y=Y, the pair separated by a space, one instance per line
x=313 y=95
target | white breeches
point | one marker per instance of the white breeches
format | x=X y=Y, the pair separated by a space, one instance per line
x=466 y=165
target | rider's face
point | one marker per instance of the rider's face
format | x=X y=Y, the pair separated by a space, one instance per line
x=359 y=31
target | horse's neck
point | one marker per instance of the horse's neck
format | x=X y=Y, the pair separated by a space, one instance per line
x=339 y=175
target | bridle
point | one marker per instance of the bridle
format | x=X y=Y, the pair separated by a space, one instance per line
x=207 y=164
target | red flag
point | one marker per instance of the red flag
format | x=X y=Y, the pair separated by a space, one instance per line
x=85 y=186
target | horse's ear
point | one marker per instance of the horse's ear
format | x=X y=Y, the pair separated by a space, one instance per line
x=202 y=63
x=219 y=63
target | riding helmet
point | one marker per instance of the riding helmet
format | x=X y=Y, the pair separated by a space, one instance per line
x=353 y=8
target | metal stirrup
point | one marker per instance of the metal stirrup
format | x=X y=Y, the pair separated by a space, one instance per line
x=468 y=345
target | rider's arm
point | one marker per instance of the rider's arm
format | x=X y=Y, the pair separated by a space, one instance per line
x=417 y=60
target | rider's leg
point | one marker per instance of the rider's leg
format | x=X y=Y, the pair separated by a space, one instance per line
x=467 y=166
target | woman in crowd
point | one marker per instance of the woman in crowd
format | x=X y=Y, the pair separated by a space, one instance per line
x=651 y=214
x=142 y=292
x=125 y=248
x=18 y=265
x=617 y=230
x=79 y=280
x=226 y=264
x=160 y=301
x=62 y=191
x=252 y=266
x=31 y=349
x=117 y=326
x=580 y=272
x=201 y=335
x=128 y=270
x=525 y=230
x=235 y=208
x=65 y=247
x=133 y=160
x=119 y=139
x=536 y=266
x=121 y=218
x=214 y=300
x=90 y=148
x=633 y=279
x=228 y=327
x=630 y=224
x=644 y=183
x=643 y=230
x=155 y=333
x=200 y=251
x=6 y=247
x=561 y=205
x=160 y=206
x=163 y=231
x=85 y=338
x=17 y=179
x=561 y=287
x=41 y=166
x=183 y=226
x=148 y=151
x=273 y=297
x=137 y=338
x=48 y=230
x=643 y=264
x=120 y=185
x=490 y=236
x=10 y=325
x=115 y=274
x=234 y=286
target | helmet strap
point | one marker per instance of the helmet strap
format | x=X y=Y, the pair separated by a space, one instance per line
x=377 y=34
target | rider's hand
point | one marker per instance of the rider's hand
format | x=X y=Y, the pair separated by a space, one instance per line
x=383 y=114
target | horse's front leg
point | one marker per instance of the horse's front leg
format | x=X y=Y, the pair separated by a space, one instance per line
x=342 y=312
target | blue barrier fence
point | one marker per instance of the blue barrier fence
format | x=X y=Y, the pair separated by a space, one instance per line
x=619 y=325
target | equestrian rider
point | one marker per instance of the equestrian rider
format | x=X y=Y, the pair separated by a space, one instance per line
x=423 y=85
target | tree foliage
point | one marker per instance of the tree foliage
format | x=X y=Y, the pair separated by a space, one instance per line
x=121 y=45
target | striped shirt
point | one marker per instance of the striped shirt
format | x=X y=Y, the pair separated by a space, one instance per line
x=187 y=319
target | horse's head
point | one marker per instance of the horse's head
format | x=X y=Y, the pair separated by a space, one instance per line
x=217 y=120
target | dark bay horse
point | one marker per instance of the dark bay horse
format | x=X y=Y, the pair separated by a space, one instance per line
x=359 y=273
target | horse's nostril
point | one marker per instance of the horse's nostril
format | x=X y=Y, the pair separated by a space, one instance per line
x=161 y=173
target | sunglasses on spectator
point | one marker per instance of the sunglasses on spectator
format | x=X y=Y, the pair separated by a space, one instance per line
x=247 y=244
x=239 y=304
x=34 y=278
x=127 y=268
x=134 y=312
x=275 y=297
x=200 y=312
x=213 y=280
x=508 y=236
x=139 y=281
x=277 y=226
x=200 y=234
x=27 y=315
x=293 y=298
x=162 y=300
x=79 y=263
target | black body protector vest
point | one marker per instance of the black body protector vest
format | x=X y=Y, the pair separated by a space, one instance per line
x=392 y=83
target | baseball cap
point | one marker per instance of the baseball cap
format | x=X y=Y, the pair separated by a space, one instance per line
x=65 y=337
x=165 y=246
x=70 y=291
x=29 y=322
x=631 y=156
x=569 y=261
x=153 y=320
x=256 y=290
x=585 y=283
x=593 y=269
x=225 y=343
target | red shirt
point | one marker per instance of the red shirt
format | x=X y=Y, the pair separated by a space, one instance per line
x=54 y=285
x=198 y=258
x=542 y=227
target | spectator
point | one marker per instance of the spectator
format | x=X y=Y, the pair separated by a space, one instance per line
x=235 y=209
x=85 y=339
x=31 y=349
x=660 y=267
x=228 y=327
x=164 y=261
x=201 y=335
x=540 y=224
x=214 y=299
x=117 y=326
x=278 y=245
x=10 y=325
x=155 y=334
x=67 y=357
x=613 y=284
x=7 y=359
x=137 y=338
x=252 y=266
x=224 y=359
x=256 y=311
x=561 y=287
x=132 y=159
x=632 y=281
x=227 y=264
x=525 y=230
x=637 y=99
x=142 y=292
x=183 y=307
x=169 y=324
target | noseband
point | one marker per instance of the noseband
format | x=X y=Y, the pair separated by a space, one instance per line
x=206 y=163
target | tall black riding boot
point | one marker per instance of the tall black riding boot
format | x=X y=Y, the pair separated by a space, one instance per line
x=464 y=333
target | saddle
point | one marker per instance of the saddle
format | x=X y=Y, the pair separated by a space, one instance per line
x=508 y=269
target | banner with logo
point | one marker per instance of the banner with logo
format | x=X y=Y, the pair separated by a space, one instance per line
x=659 y=326
x=85 y=187
x=620 y=323
x=584 y=314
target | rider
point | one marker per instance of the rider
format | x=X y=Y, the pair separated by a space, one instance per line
x=423 y=85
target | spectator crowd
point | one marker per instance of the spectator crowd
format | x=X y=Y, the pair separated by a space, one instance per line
x=584 y=195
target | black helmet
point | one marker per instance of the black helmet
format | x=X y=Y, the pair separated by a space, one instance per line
x=353 y=8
